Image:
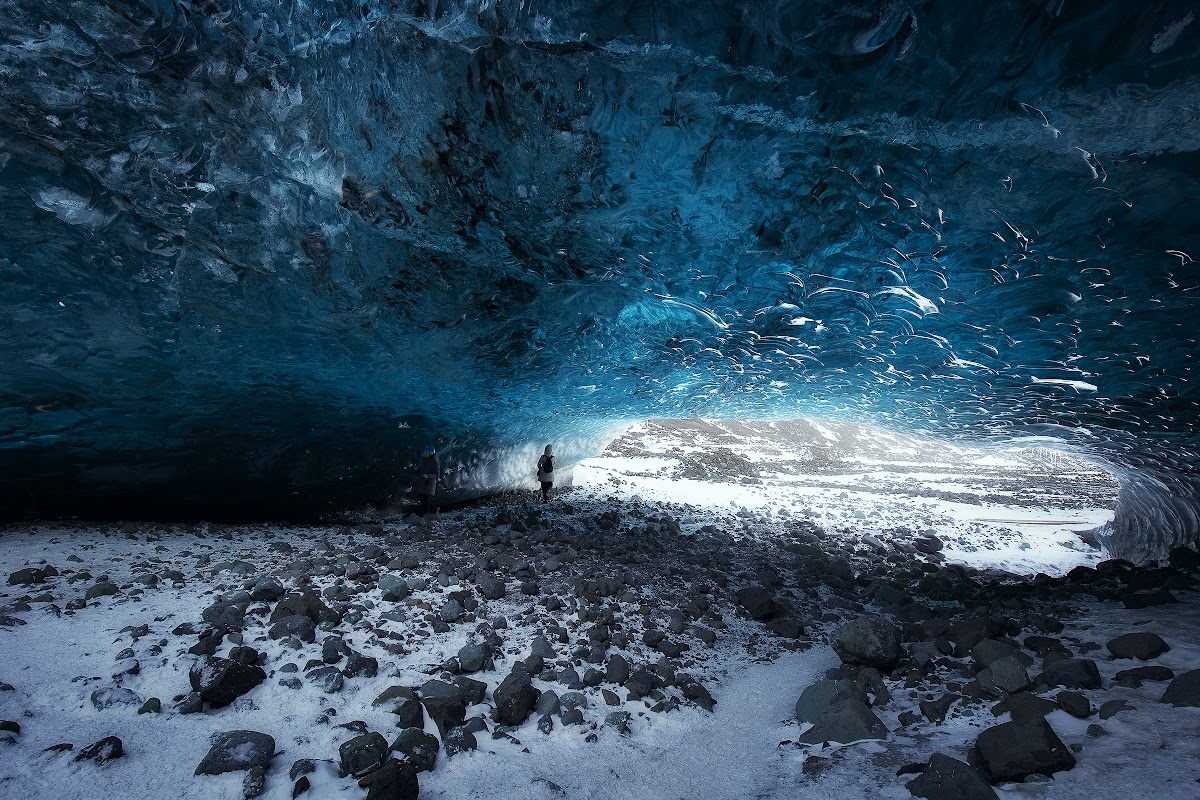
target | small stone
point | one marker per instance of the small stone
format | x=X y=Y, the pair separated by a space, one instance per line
x=151 y=706
x=459 y=740
x=1074 y=703
x=255 y=782
x=114 y=696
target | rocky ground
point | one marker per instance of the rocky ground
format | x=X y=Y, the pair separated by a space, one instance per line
x=511 y=648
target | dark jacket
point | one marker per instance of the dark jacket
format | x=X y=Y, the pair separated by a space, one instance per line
x=546 y=469
x=429 y=469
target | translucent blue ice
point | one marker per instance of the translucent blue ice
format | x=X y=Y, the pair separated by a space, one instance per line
x=260 y=252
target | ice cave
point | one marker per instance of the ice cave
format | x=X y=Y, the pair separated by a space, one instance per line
x=256 y=255
x=276 y=247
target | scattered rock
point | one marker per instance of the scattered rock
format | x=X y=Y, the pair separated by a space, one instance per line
x=869 y=640
x=114 y=696
x=845 y=722
x=1074 y=703
x=418 y=747
x=757 y=602
x=948 y=778
x=1074 y=673
x=1015 y=750
x=395 y=780
x=515 y=698
x=1143 y=646
x=237 y=750
x=362 y=754
x=103 y=751
x=220 y=681
x=1184 y=690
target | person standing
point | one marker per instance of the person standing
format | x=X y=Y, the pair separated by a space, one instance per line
x=545 y=473
x=427 y=486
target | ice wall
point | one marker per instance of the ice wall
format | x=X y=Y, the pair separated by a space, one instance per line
x=260 y=252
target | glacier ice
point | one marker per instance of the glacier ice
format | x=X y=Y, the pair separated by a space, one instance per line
x=256 y=254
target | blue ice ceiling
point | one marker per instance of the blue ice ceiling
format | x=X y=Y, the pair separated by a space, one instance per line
x=257 y=253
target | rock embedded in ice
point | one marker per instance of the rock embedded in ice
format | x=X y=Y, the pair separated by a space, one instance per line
x=870 y=641
x=1015 y=750
x=444 y=703
x=1004 y=676
x=947 y=778
x=1151 y=672
x=237 y=750
x=1024 y=705
x=817 y=699
x=28 y=576
x=845 y=722
x=987 y=651
x=1074 y=673
x=297 y=625
x=1143 y=646
x=1184 y=690
x=471 y=657
x=1074 y=703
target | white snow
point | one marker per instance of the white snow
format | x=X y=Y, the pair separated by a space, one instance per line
x=744 y=749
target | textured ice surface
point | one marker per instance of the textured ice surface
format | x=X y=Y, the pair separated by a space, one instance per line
x=259 y=253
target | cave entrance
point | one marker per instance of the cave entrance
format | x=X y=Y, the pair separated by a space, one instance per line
x=1021 y=507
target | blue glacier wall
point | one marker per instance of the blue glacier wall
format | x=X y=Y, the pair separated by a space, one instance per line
x=253 y=255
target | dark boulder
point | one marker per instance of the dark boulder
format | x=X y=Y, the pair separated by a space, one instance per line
x=1074 y=673
x=1184 y=690
x=845 y=722
x=515 y=698
x=444 y=704
x=1015 y=750
x=869 y=640
x=298 y=625
x=418 y=747
x=817 y=699
x=757 y=602
x=1142 y=646
x=107 y=749
x=948 y=778
x=395 y=780
x=237 y=750
x=1074 y=703
x=362 y=754
x=220 y=681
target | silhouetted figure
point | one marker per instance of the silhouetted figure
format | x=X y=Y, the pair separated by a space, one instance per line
x=427 y=485
x=545 y=473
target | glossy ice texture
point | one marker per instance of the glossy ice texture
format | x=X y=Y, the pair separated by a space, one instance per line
x=258 y=253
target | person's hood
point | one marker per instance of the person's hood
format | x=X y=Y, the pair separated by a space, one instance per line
x=549 y=451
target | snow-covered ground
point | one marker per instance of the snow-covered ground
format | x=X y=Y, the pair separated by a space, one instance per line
x=737 y=483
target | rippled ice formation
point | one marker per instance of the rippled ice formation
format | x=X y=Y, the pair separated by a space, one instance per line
x=255 y=254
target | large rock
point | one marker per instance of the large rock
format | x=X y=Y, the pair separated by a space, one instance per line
x=298 y=625
x=393 y=587
x=1143 y=646
x=267 y=588
x=395 y=780
x=823 y=695
x=1015 y=750
x=490 y=586
x=230 y=616
x=444 y=704
x=1004 y=676
x=948 y=778
x=1184 y=690
x=220 y=681
x=845 y=722
x=988 y=651
x=305 y=603
x=418 y=747
x=362 y=754
x=869 y=640
x=1074 y=673
x=236 y=750
x=515 y=698
x=757 y=602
